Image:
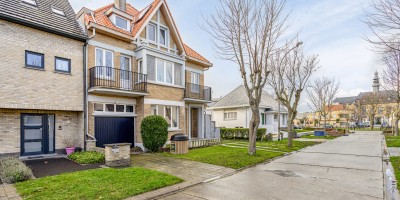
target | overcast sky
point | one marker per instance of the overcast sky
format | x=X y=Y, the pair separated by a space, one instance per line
x=333 y=29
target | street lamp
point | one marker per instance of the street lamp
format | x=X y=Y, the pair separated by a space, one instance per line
x=279 y=89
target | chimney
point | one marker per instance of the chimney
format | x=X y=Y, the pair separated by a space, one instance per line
x=121 y=4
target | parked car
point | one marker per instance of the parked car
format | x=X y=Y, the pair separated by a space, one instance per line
x=367 y=124
x=296 y=127
x=328 y=126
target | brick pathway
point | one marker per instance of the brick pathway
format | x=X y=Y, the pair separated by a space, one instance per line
x=190 y=171
x=8 y=192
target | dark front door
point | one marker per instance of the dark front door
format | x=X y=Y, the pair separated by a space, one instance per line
x=110 y=130
x=195 y=122
x=37 y=134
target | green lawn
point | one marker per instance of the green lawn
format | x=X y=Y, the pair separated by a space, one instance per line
x=319 y=137
x=396 y=166
x=392 y=141
x=233 y=153
x=105 y=183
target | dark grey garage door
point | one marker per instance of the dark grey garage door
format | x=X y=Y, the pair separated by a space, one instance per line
x=109 y=130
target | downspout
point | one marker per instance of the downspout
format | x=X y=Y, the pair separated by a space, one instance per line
x=85 y=87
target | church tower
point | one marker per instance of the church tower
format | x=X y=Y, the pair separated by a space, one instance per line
x=375 y=84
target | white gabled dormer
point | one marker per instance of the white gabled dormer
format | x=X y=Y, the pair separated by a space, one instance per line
x=119 y=17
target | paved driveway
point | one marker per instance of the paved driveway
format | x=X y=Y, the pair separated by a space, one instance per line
x=344 y=168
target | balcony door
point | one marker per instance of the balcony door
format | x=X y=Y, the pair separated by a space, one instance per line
x=126 y=74
x=195 y=79
x=104 y=64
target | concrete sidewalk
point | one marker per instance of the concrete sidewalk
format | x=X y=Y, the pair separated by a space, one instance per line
x=348 y=167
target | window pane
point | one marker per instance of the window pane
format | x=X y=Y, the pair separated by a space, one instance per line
x=151 y=68
x=124 y=65
x=178 y=74
x=160 y=71
x=99 y=57
x=32 y=134
x=51 y=132
x=109 y=64
x=129 y=109
x=169 y=69
x=31 y=120
x=161 y=110
x=98 y=107
x=151 y=32
x=153 y=109
x=175 y=116
x=168 y=115
x=110 y=107
x=120 y=108
x=62 y=65
x=34 y=60
x=163 y=36
x=122 y=23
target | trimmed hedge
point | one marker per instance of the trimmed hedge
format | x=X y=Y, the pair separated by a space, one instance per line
x=154 y=132
x=240 y=133
x=13 y=170
x=87 y=157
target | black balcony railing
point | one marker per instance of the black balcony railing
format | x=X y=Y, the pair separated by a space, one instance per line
x=200 y=92
x=109 y=77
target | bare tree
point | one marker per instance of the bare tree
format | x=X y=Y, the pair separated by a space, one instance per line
x=322 y=93
x=247 y=32
x=371 y=102
x=384 y=21
x=290 y=75
x=391 y=80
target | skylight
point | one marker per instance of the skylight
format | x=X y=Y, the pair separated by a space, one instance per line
x=32 y=2
x=57 y=11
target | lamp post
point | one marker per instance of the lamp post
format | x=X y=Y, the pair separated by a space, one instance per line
x=279 y=89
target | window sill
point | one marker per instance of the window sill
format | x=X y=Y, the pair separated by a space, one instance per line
x=174 y=129
x=62 y=72
x=165 y=84
x=35 y=68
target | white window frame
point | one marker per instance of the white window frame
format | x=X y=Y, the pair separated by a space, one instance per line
x=127 y=23
x=165 y=71
x=104 y=67
x=166 y=35
x=57 y=11
x=109 y=113
x=30 y=2
x=164 y=109
x=195 y=80
x=148 y=33
x=228 y=118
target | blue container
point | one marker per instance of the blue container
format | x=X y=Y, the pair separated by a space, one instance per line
x=319 y=133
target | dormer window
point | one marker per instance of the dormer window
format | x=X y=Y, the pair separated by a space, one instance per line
x=121 y=23
x=57 y=11
x=31 y=2
x=163 y=36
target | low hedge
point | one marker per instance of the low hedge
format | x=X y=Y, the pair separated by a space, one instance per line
x=240 y=133
x=87 y=157
x=13 y=170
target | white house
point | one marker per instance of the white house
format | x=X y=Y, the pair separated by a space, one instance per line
x=233 y=111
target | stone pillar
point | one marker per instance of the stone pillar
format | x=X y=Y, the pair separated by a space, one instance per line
x=118 y=155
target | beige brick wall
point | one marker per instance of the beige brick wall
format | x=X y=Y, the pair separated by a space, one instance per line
x=164 y=92
x=10 y=131
x=25 y=88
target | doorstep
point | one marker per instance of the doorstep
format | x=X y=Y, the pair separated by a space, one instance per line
x=42 y=156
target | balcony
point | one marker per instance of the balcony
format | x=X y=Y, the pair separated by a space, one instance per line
x=108 y=80
x=197 y=93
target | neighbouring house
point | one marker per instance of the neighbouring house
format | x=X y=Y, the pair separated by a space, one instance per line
x=359 y=109
x=41 y=73
x=233 y=111
x=138 y=65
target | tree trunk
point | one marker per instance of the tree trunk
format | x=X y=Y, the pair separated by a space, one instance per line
x=372 y=122
x=253 y=127
x=325 y=123
x=289 y=129
x=396 y=125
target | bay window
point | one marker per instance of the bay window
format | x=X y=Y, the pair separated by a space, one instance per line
x=162 y=71
x=169 y=113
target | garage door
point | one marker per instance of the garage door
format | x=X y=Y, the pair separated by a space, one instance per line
x=110 y=130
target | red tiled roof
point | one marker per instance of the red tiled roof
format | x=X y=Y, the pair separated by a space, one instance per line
x=192 y=53
x=102 y=19
x=336 y=107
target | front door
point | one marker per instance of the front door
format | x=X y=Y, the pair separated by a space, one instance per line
x=195 y=122
x=37 y=134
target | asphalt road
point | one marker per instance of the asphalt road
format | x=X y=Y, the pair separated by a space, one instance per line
x=349 y=167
